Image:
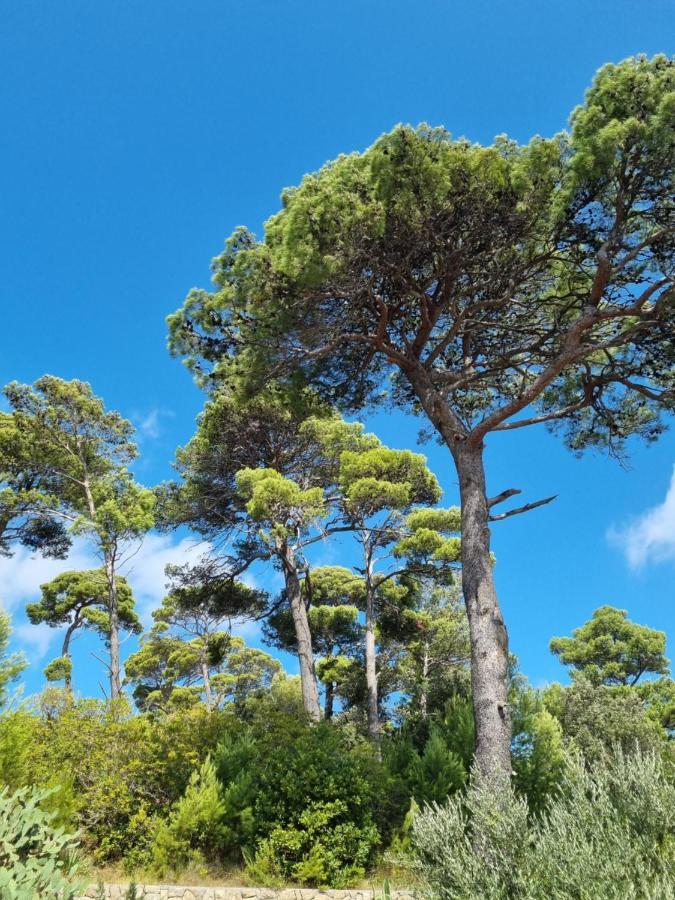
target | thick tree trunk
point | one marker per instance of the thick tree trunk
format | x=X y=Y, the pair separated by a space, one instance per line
x=489 y=640
x=303 y=635
x=114 y=620
x=371 y=668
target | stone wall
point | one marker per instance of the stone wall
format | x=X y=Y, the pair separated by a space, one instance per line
x=176 y=892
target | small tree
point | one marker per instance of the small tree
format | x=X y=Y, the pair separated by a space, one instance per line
x=378 y=486
x=486 y=288
x=81 y=451
x=200 y=611
x=435 y=662
x=333 y=596
x=80 y=600
x=610 y=649
x=11 y=664
x=255 y=475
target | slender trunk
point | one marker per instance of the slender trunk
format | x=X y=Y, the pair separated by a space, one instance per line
x=371 y=666
x=489 y=639
x=113 y=612
x=114 y=620
x=425 y=675
x=303 y=635
x=328 y=704
x=65 y=650
x=207 y=684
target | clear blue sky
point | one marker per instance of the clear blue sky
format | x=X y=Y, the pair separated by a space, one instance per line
x=137 y=135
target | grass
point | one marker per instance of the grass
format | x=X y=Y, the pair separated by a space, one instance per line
x=234 y=877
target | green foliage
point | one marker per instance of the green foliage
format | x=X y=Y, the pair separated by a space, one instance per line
x=11 y=664
x=194 y=829
x=610 y=649
x=321 y=850
x=539 y=756
x=59 y=669
x=36 y=858
x=598 y=718
x=437 y=773
x=28 y=501
x=609 y=835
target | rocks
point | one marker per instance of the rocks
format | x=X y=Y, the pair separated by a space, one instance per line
x=176 y=892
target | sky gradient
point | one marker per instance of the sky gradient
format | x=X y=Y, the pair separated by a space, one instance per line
x=136 y=136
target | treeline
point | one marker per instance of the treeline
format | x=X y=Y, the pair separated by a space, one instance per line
x=254 y=782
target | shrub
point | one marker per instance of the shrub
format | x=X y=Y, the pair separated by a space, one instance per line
x=37 y=859
x=194 y=830
x=322 y=850
x=608 y=835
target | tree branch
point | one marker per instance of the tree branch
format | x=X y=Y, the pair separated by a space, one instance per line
x=522 y=509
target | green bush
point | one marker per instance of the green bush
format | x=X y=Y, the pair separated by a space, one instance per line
x=194 y=830
x=608 y=835
x=37 y=859
x=321 y=851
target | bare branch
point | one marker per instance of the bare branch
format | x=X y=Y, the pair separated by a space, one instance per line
x=511 y=492
x=522 y=509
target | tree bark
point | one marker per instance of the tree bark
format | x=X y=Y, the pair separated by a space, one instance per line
x=489 y=639
x=207 y=684
x=425 y=675
x=328 y=704
x=113 y=614
x=371 y=667
x=303 y=635
x=65 y=650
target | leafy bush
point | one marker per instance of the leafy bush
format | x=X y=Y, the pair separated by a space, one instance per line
x=37 y=859
x=194 y=830
x=609 y=835
x=320 y=851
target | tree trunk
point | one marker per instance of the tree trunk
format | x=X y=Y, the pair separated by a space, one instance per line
x=113 y=616
x=489 y=640
x=113 y=612
x=303 y=635
x=207 y=685
x=328 y=704
x=371 y=667
x=65 y=650
x=425 y=675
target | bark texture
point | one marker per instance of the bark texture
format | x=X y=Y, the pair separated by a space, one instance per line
x=371 y=668
x=489 y=639
x=303 y=636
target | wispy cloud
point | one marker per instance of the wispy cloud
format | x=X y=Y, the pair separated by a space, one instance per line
x=651 y=536
x=150 y=424
x=37 y=639
x=22 y=575
x=145 y=569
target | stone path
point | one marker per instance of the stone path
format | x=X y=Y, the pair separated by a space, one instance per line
x=176 y=892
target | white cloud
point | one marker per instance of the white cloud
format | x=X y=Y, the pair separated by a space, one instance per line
x=149 y=424
x=145 y=569
x=36 y=639
x=651 y=536
x=22 y=574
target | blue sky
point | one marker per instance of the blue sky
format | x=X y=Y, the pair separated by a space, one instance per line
x=136 y=136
